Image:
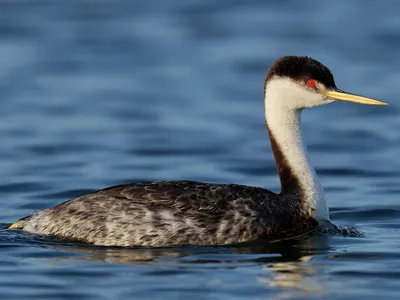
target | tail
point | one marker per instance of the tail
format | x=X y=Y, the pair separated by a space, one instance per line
x=20 y=224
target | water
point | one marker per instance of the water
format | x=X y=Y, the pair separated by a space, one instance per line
x=95 y=93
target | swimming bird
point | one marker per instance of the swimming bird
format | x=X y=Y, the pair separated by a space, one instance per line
x=174 y=213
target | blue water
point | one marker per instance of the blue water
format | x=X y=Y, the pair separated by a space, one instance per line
x=96 y=93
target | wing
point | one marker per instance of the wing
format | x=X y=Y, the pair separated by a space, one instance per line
x=186 y=196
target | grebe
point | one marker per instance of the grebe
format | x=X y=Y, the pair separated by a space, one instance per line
x=172 y=213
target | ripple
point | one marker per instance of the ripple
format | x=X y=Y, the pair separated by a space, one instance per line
x=68 y=194
x=25 y=187
x=369 y=214
x=360 y=256
x=162 y=151
x=354 y=173
x=369 y=274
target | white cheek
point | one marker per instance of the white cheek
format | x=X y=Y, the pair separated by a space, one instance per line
x=314 y=99
x=283 y=91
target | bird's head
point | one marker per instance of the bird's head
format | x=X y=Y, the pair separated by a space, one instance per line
x=296 y=82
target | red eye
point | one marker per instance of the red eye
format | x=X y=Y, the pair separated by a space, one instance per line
x=311 y=83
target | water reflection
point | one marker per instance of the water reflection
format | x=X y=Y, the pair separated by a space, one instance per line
x=277 y=251
x=299 y=276
x=119 y=256
x=295 y=279
x=286 y=267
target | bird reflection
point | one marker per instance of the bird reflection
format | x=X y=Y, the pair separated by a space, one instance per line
x=276 y=251
x=300 y=276
x=288 y=267
x=294 y=278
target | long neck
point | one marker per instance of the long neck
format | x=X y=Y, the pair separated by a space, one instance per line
x=298 y=178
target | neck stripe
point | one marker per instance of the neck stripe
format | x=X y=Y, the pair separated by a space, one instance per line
x=290 y=183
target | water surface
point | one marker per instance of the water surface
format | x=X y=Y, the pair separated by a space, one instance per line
x=96 y=93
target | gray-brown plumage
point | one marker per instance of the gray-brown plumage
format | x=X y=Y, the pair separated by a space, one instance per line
x=171 y=213
x=168 y=213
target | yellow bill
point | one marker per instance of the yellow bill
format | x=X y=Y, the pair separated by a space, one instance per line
x=343 y=96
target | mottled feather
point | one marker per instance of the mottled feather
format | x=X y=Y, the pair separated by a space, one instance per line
x=170 y=213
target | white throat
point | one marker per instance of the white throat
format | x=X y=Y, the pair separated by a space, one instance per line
x=284 y=122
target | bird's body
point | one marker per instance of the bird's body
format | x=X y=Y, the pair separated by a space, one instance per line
x=172 y=213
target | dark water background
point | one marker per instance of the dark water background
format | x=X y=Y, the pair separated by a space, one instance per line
x=95 y=93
